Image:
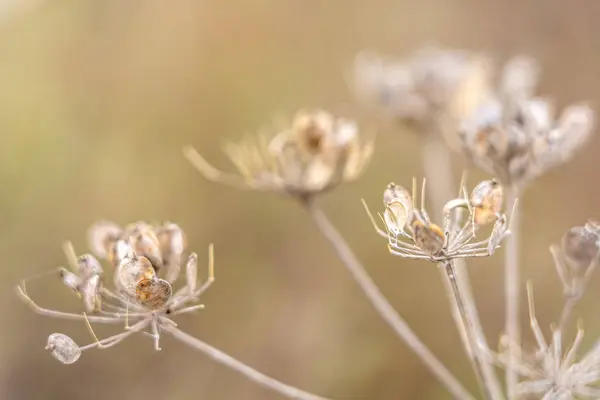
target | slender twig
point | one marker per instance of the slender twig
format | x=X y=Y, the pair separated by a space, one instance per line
x=476 y=350
x=512 y=291
x=437 y=165
x=382 y=305
x=258 y=377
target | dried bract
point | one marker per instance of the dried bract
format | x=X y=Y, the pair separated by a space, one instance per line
x=413 y=235
x=63 y=348
x=515 y=136
x=315 y=153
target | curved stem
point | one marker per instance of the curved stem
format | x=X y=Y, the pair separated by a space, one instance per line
x=258 y=377
x=512 y=292
x=383 y=307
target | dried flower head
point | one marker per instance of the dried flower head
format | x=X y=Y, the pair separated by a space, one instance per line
x=516 y=136
x=411 y=233
x=315 y=153
x=414 y=89
x=552 y=371
x=141 y=291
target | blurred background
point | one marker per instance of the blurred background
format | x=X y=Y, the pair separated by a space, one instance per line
x=97 y=99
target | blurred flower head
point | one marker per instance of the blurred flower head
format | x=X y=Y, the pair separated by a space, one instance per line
x=414 y=90
x=314 y=153
x=511 y=133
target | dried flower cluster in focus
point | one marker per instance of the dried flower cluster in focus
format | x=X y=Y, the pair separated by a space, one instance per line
x=145 y=261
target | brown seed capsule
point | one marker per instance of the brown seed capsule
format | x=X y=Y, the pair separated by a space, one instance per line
x=580 y=246
x=63 y=348
x=429 y=238
x=486 y=200
x=153 y=293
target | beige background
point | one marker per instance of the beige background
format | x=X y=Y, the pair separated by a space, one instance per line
x=97 y=99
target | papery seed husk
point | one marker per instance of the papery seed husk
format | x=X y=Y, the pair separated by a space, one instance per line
x=63 y=348
x=88 y=266
x=429 y=238
x=102 y=236
x=191 y=271
x=71 y=280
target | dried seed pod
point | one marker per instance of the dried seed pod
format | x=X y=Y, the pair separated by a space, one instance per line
x=486 y=200
x=131 y=271
x=63 y=348
x=102 y=237
x=172 y=246
x=88 y=266
x=90 y=292
x=191 y=272
x=398 y=208
x=580 y=245
x=428 y=237
x=153 y=293
x=71 y=280
x=310 y=129
x=499 y=232
x=144 y=242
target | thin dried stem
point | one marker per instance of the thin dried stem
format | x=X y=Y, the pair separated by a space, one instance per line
x=257 y=377
x=512 y=292
x=477 y=360
x=383 y=307
x=437 y=165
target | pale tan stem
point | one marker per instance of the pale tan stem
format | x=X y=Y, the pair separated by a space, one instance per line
x=512 y=293
x=225 y=359
x=437 y=164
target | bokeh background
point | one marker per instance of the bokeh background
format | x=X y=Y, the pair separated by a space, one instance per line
x=97 y=99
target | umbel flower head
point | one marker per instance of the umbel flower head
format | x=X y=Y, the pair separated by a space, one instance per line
x=553 y=371
x=145 y=261
x=513 y=134
x=415 y=89
x=411 y=234
x=315 y=153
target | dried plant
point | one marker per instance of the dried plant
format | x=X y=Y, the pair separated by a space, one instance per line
x=550 y=371
x=145 y=261
x=503 y=128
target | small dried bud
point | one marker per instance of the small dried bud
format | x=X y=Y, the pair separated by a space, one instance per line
x=486 y=199
x=399 y=208
x=63 y=348
x=88 y=266
x=580 y=245
x=429 y=238
x=102 y=237
x=153 y=293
